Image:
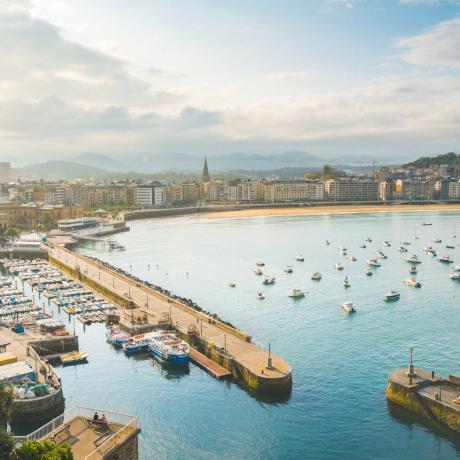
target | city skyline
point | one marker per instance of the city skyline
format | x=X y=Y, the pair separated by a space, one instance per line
x=329 y=77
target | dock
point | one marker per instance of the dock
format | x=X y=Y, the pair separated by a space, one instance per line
x=229 y=347
x=426 y=394
x=209 y=365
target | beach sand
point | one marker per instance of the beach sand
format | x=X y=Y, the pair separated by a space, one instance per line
x=342 y=209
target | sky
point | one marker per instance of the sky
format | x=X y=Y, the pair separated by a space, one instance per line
x=379 y=78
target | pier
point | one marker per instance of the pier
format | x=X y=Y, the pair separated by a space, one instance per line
x=426 y=394
x=231 y=348
x=209 y=365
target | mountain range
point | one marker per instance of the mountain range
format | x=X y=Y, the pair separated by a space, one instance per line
x=99 y=165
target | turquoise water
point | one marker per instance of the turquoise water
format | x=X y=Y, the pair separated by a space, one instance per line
x=337 y=408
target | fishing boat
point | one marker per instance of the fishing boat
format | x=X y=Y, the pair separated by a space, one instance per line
x=346 y=283
x=116 y=336
x=391 y=296
x=446 y=259
x=168 y=347
x=413 y=270
x=413 y=259
x=338 y=266
x=386 y=243
x=259 y=263
x=373 y=262
x=379 y=253
x=75 y=357
x=260 y=296
x=136 y=344
x=299 y=258
x=268 y=280
x=412 y=282
x=288 y=269
x=369 y=272
x=258 y=271
x=348 y=307
x=232 y=284
x=296 y=293
x=316 y=276
x=402 y=249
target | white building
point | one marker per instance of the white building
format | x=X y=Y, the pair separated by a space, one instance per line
x=144 y=195
x=454 y=190
x=160 y=196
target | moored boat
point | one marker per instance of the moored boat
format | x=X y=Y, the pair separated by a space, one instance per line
x=296 y=293
x=391 y=296
x=299 y=258
x=116 y=336
x=373 y=262
x=136 y=344
x=316 y=276
x=412 y=282
x=338 y=266
x=258 y=271
x=288 y=269
x=348 y=307
x=260 y=296
x=413 y=259
x=74 y=357
x=268 y=280
x=446 y=259
x=168 y=347
x=369 y=272
x=346 y=283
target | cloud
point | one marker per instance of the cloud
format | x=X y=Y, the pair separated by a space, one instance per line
x=299 y=75
x=437 y=46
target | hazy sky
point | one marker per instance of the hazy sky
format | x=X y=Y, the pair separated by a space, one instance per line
x=332 y=77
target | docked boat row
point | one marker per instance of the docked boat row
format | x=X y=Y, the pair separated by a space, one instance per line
x=162 y=344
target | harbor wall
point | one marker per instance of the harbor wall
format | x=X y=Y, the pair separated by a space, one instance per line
x=55 y=345
x=432 y=410
x=41 y=409
x=128 y=450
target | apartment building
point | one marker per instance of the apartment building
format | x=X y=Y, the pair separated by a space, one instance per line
x=351 y=190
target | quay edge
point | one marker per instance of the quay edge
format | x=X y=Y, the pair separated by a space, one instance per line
x=424 y=394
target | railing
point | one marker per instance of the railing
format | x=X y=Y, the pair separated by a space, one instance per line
x=75 y=412
x=114 y=440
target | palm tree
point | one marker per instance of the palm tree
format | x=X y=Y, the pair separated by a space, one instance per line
x=12 y=232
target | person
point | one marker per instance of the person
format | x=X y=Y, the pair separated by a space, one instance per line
x=95 y=417
x=104 y=421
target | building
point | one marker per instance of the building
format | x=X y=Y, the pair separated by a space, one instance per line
x=293 y=190
x=454 y=190
x=160 y=196
x=145 y=195
x=5 y=172
x=205 y=174
x=351 y=190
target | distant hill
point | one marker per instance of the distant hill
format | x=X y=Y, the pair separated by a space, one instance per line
x=67 y=170
x=101 y=161
x=450 y=158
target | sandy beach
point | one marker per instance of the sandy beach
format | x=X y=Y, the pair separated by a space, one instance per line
x=342 y=209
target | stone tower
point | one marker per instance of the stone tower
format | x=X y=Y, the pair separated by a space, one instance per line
x=205 y=174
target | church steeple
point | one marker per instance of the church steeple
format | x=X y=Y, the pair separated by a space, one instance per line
x=205 y=174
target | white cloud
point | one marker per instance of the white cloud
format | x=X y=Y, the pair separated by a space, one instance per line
x=299 y=75
x=437 y=46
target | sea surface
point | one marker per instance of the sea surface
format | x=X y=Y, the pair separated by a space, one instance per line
x=340 y=363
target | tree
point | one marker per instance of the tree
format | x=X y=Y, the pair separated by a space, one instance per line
x=42 y=450
x=47 y=221
x=12 y=232
x=6 y=402
x=6 y=445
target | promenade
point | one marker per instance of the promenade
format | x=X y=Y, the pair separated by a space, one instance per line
x=156 y=306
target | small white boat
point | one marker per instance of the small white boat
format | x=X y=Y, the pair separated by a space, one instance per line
x=413 y=259
x=456 y=268
x=386 y=243
x=232 y=284
x=455 y=276
x=260 y=296
x=316 y=276
x=413 y=270
x=412 y=282
x=402 y=249
x=299 y=258
x=373 y=262
x=338 y=266
x=296 y=293
x=450 y=246
x=446 y=259
x=327 y=243
x=362 y=246
x=258 y=271
x=346 y=283
x=391 y=295
x=288 y=269
x=342 y=248
x=259 y=263
x=352 y=258
x=268 y=280
x=406 y=243
x=379 y=253
x=348 y=307
x=369 y=272
x=437 y=240
x=368 y=240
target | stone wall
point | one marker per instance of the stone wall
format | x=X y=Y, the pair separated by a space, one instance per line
x=40 y=409
x=129 y=450
x=55 y=345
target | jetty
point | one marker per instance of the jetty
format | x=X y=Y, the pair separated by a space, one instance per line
x=208 y=365
x=227 y=346
x=426 y=394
